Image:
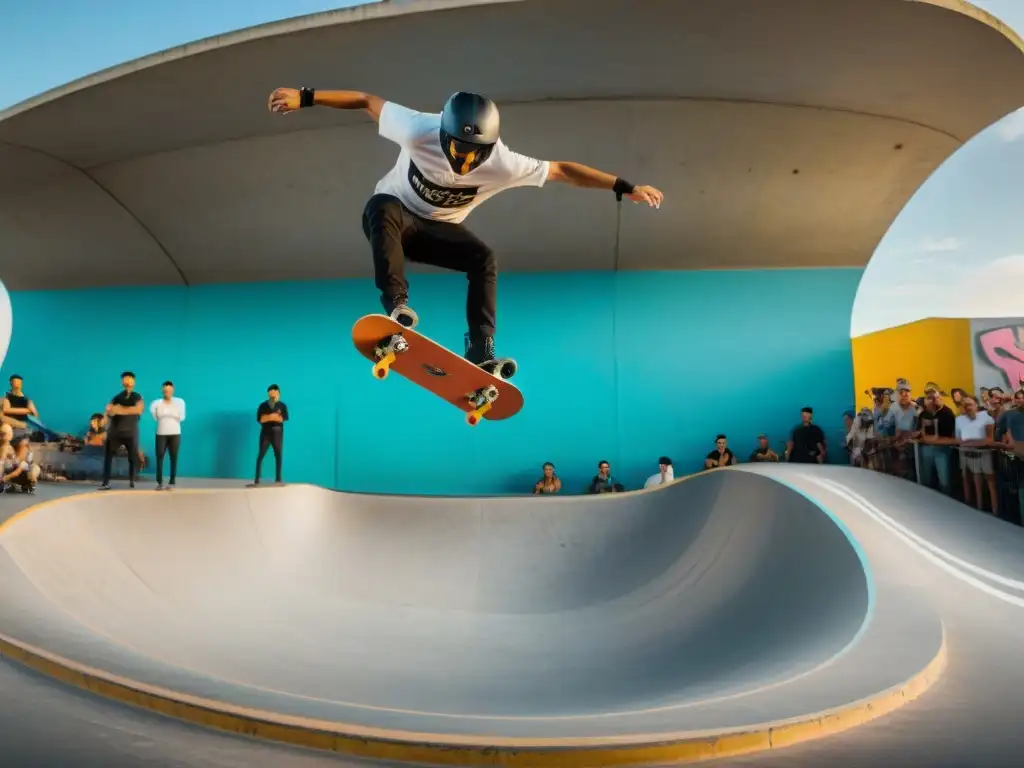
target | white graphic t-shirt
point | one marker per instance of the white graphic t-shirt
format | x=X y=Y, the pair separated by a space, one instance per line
x=424 y=181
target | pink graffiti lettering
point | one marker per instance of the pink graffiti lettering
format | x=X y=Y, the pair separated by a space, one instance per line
x=1000 y=347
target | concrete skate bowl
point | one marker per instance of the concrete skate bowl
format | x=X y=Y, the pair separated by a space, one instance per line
x=723 y=614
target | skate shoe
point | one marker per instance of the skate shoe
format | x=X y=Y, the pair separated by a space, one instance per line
x=399 y=311
x=481 y=353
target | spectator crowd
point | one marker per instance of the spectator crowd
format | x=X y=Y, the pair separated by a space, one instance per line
x=965 y=446
x=971 y=449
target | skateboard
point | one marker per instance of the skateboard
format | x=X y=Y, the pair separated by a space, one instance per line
x=392 y=346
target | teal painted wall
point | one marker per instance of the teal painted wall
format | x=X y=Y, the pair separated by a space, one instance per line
x=623 y=367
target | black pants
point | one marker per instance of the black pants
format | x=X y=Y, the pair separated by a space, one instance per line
x=397 y=234
x=271 y=438
x=164 y=444
x=131 y=446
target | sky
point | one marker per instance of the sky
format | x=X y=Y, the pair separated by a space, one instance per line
x=956 y=250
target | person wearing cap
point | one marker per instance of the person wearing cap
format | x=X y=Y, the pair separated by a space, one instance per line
x=763 y=452
x=938 y=438
x=124 y=411
x=904 y=428
x=807 y=441
x=860 y=438
x=448 y=163
x=271 y=415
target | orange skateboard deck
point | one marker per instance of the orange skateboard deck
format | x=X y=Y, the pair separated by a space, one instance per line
x=437 y=369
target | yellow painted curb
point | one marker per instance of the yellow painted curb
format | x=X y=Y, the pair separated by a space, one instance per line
x=441 y=749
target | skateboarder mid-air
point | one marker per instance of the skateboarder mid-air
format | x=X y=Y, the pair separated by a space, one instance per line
x=448 y=164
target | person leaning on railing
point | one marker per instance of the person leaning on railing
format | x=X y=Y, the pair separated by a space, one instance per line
x=975 y=434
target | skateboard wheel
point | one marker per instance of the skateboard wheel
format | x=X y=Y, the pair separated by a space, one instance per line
x=380 y=370
x=508 y=369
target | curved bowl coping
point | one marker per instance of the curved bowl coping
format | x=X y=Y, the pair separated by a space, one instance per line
x=462 y=748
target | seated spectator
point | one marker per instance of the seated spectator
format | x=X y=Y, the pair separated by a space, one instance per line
x=807 y=442
x=763 y=452
x=722 y=456
x=96 y=434
x=6 y=442
x=860 y=439
x=975 y=428
x=17 y=407
x=549 y=482
x=603 y=481
x=665 y=474
x=20 y=472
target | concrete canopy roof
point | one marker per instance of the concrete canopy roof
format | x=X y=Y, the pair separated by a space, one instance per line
x=783 y=133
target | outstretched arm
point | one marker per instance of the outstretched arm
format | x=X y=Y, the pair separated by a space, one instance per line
x=285 y=100
x=579 y=175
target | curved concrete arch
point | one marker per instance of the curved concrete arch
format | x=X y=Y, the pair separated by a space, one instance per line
x=64 y=229
x=862 y=100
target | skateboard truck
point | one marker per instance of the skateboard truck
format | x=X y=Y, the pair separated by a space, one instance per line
x=483 y=399
x=385 y=353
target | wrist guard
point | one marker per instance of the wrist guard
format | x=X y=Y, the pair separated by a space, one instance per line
x=621 y=187
x=306 y=96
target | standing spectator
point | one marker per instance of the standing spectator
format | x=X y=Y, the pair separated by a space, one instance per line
x=168 y=412
x=603 y=481
x=975 y=428
x=271 y=415
x=549 y=482
x=1010 y=425
x=938 y=436
x=878 y=455
x=124 y=411
x=807 y=442
x=860 y=438
x=904 y=429
x=17 y=407
x=665 y=474
x=763 y=452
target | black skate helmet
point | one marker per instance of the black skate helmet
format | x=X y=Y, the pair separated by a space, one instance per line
x=469 y=130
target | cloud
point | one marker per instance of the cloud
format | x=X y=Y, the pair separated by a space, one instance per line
x=940 y=245
x=1011 y=127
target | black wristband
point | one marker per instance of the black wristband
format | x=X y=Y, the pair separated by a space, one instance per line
x=306 y=96
x=621 y=187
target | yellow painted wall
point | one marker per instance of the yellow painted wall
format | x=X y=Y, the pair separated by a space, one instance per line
x=936 y=349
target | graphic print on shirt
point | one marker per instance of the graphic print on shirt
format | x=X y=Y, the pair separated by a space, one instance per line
x=435 y=194
x=423 y=181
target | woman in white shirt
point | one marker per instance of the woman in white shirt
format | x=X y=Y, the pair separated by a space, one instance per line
x=975 y=430
x=666 y=473
x=169 y=412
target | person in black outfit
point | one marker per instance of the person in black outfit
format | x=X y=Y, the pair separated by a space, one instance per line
x=17 y=407
x=271 y=415
x=807 y=443
x=124 y=410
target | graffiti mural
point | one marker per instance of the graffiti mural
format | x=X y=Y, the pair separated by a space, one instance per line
x=998 y=353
